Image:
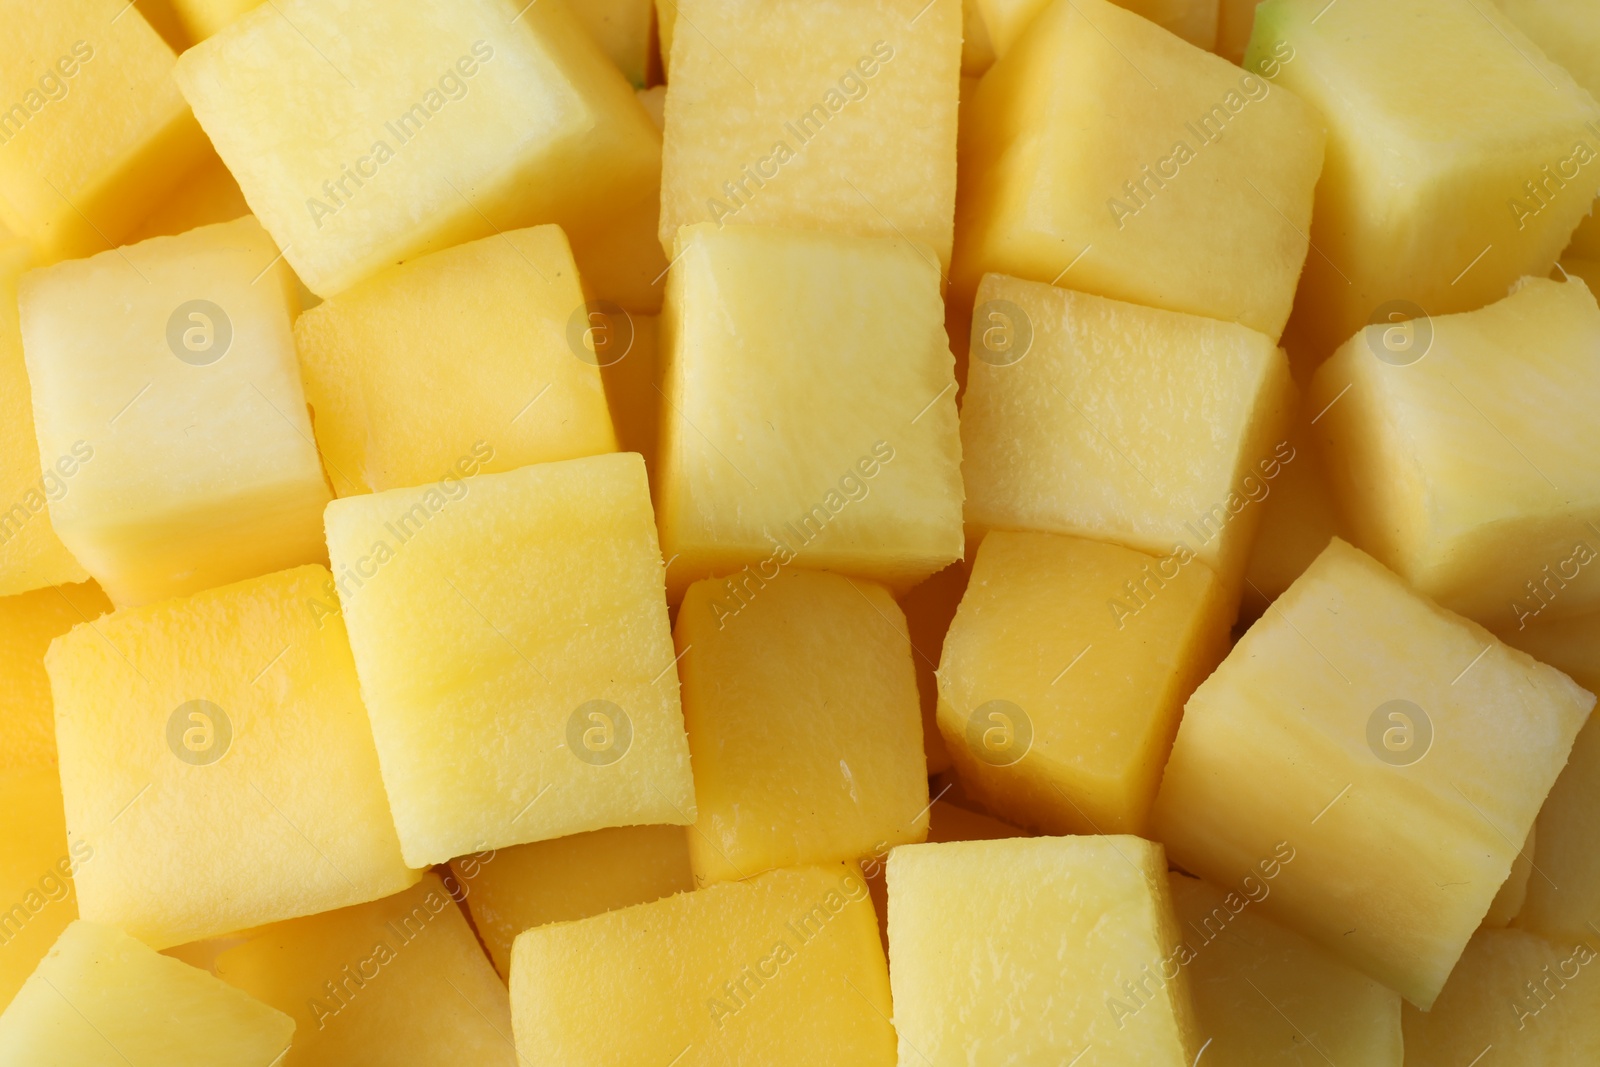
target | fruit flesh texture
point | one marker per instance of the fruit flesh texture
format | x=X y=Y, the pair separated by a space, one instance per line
x=1154 y=429
x=929 y=609
x=185 y=420
x=854 y=134
x=101 y=997
x=784 y=970
x=95 y=134
x=28 y=623
x=410 y=986
x=452 y=354
x=515 y=889
x=752 y=363
x=795 y=766
x=380 y=79
x=1126 y=220
x=1006 y=951
x=1193 y=20
x=1470 y=471
x=290 y=819
x=1263 y=993
x=1396 y=862
x=1437 y=113
x=36 y=868
x=1092 y=673
x=484 y=623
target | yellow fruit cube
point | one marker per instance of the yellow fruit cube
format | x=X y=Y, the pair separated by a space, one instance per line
x=929 y=608
x=784 y=970
x=209 y=195
x=627 y=346
x=1017 y=951
x=977 y=51
x=167 y=371
x=510 y=631
x=515 y=889
x=28 y=623
x=470 y=359
x=216 y=757
x=1109 y=156
x=365 y=133
x=1065 y=672
x=93 y=133
x=1462 y=451
x=1513 y=894
x=855 y=133
x=1193 y=20
x=1154 y=429
x=1263 y=993
x=794 y=766
x=622 y=30
x=1368 y=729
x=400 y=981
x=1459 y=157
x=101 y=997
x=770 y=337
x=202 y=18
x=36 y=866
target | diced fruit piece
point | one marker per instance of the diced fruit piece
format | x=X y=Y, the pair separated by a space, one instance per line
x=36 y=868
x=795 y=766
x=399 y=981
x=510 y=631
x=209 y=195
x=1016 y=952
x=434 y=123
x=1459 y=157
x=216 y=758
x=28 y=623
x=163 y=18
x=1514 y=893
x=515 y=889
x=1462 y=451
x=622 y=30
x=203 y=18
x=1536 y=1003
x=775 y=336
x=1193 y=20
x=166 y=371
x=31 y=555
x=100 y=997
x=929 y=608
x=1088 y=416
x=470 y=359
x=1065 y=672
x=1263 y=993
x=627 y=347
x=94 y=134
x=784 y=970
x=1111 y=157
x=1401 y=751
x=977 y=52
x=855 y=133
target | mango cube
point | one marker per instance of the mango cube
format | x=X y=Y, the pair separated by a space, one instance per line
x=784 y=970
x=1467 y=466
x=202 y=18
x=622 y=30
x=28 y=623
x=795 y=766
x=929 y=610
x=1263 y=993
x=167 y=371
x=364 y=134
x=216 y=758
x=209 y=195
x=1400 y=750
x=93 y=133
x=1108 y=156
x=399 y=981
x=1086 y=416
x=1459 y=157
x=466 y=354
x=36 y=866
x=1023 y=950
x=101 y=997
x=511 y=636
x=775 y=336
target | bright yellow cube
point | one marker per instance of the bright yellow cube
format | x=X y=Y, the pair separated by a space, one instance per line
x=470 y=359
x=855 y=133
x=1109 y=156
x=1017 y=951
x=784 y=970
x=216 y=757
x=101 y=997
x=365 y=134
x=794 y=766
x=28 y=623
x=36 y=865
x=515 y=889
x=165 y=374
x=93 y=132
x=929 y=608
x=400 y=981
x=772 y=337
x=1400 y=751
x=511 y=635
x=1092 y=417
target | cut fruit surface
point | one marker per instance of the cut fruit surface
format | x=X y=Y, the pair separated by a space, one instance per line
x=28 y=623
x=1193 y=20
x=36 y=866
x=929 y=608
